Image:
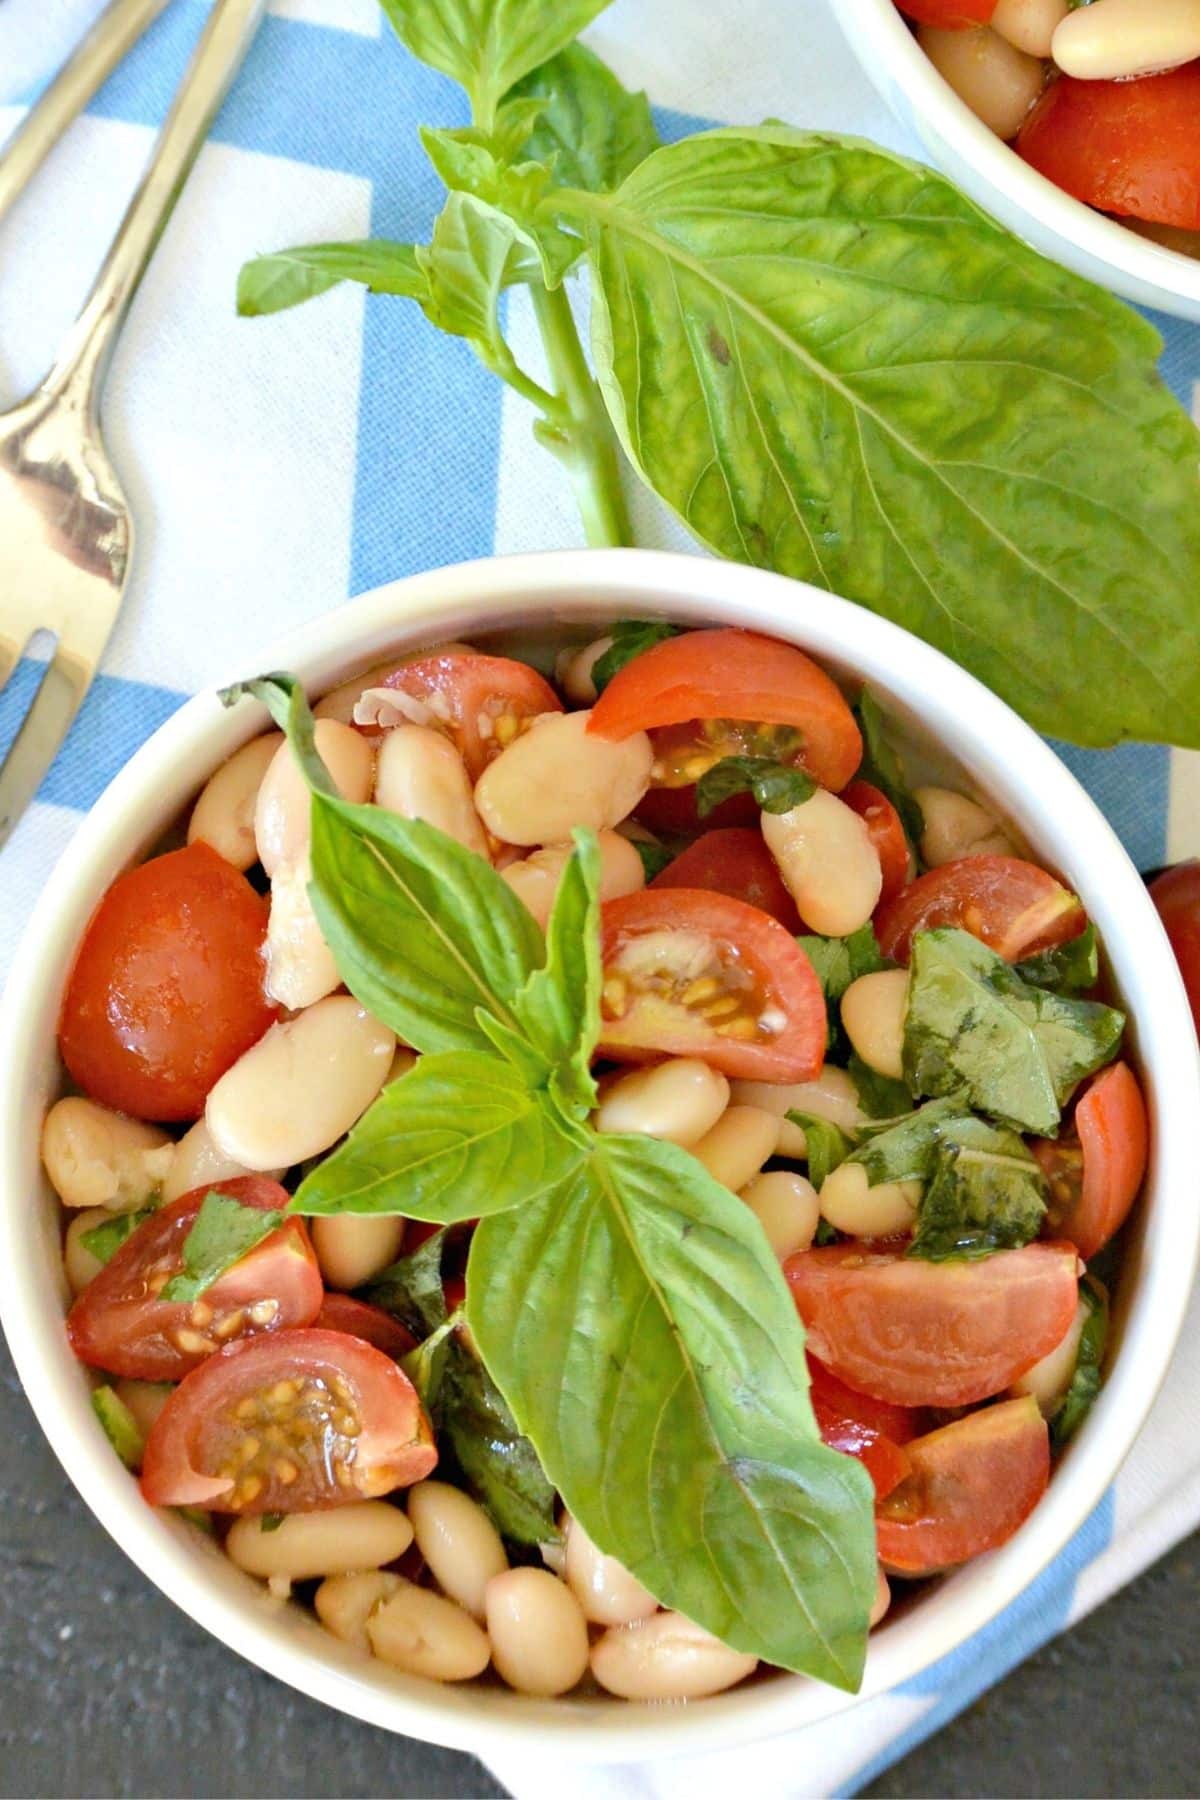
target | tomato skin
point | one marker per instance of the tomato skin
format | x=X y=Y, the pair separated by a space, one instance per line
x=734 y=862
x=358 y=1318
x=886 y=833
x=1089 y=1204
x=949 y=15
x=1127 y=147
x=1011 y=905
x=118 y=1325
x=166 y=991
x=770 y=954
x=470 y=686
x=919 y=1333
x=973 y=1483
x=672 y=811
x=729 y=674
x=858 y=1426
x=196 y=1434
x=1176 y=894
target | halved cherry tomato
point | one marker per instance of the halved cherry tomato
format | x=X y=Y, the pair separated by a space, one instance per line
x=933 y=1334
x=672 y=810
x=736 y=863
x=972 y=1484
x=886 y=833
x=290 y=1423
x=119 y=1324
x=1125 y=146
x=950 y=15
x=858 y=1426
x=1012 y=905
x=688 y=973
x=712 y=677
x=482 y=702
x=1176 y=894
x=1095 y=1175
x=340 y=1312
x=167 y=989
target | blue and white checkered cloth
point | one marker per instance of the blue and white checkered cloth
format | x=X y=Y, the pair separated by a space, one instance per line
x=277 y=468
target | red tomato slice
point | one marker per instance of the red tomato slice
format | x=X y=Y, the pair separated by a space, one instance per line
x=886 y=833
x=1176 y=894
x=167 y=988
x=289 y=1423
x=688 y=973
x=672 y=811
x=1012 y=905
x=972 y=1484
x=864 y=1428
x=483 y=702
x=933 y=1334
x=1095 y=1176
x=339 y=1312
x=738 y=675
x=1125 y=146
x=950 y=15
x=118 y=1324
x=736 y=863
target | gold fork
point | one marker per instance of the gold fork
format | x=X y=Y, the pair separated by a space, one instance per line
x=66 y=534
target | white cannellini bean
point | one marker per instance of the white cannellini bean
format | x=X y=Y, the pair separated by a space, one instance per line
x=998 y=82
x=604 y=1588
x=679 y=1100
x=956 y=827
x=281 y=815
x=738 y=1145
x=555 y=777
x=831 y=1096
x=573 y=671
x=882 y=1600
x=458 y=1541
x=300 y=965
x=199 y=1162
x=354 y=1247
x=301 y=1086
x=538 y=1632
x=873 y=1011
x=223 y=816
x=1113 y=39
x=1049 y=1379
x=1029 y=24
x=786 y=1206
x=344 y=1603
x=828 y=862
x=144 y=1399
x=97 y=1157
x=666 y=1658
x=421 y=775
x=425 y=1634
x=79 y=1265
x=364 y=1534
x=339 y=702
x=535 y=878
x=852 y=1205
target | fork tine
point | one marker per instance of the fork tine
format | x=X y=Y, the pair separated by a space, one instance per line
x=42 y=731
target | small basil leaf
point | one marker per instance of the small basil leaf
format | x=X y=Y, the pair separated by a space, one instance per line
x=103 y=1241
x=120 y=1427
x=222 y=1233
x=1071 y=968
x=826 y=1146
x=1086 y=1381
x=776 y=787
x=426 y=1364
x=630 y=637
x=985 y=1192
x=591 y=131
x=879 y=1096
x=559 y=1006
x=881 y=766
x=411 y=1288
x=839 y=961
x=488 y=236
x=270 y=284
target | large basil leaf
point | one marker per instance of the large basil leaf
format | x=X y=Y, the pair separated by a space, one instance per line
x=559 y=1006
x=831 y=363
x=903 y=1149
x=270 y=284
x=642 y=1333
x=591 y=131
x=985 y=1192
x=1017 y=1052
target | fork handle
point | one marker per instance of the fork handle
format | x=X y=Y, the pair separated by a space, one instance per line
x=82 y=363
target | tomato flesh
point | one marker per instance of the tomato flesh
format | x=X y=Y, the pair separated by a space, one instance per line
x=886 y=834
x=482 y=702
x=949 y=15
x=1176 y=894
x=1129 y=147
x=341 y=1312
x=920 y=1333
x=302 y=1420
x=734 y=862
x=120 y=1325
x=1096 y=1175
x=689 y=973
x=1011 y=905
x=858 y=1426
x=972 y=1484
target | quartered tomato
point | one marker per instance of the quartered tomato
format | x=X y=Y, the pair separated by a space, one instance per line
x=971 y=1485
x=950 y=15
x=858 y=1426
x=339 y=1312
x=289 y=1423
x=1128 y=147
x=1012 y=905
x=672 y=810
x=1095 y=1174
x=688 y=973
x=737 y=863
x=922 y=1333
x=119 y=1324
x=1176 y=894
x=167 y=989
x=886 y=833
x=482 y=702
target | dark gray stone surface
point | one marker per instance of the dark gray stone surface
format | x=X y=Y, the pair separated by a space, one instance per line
x=106 y=1690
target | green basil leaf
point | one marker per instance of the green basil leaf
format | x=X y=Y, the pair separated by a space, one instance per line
x=270 y=284
x=630 y=637
x=1087 y=1380
x=879 y=1096
x=1018 y=1052
x=499 y=1464
x=826 y=1146
x=411 y=1288
x=903 y=1149
x=881 y=766
x=655 y=858
x=559 y=1006
x=222 y=1233
x=1071 y=968
x=839 y=961
x=591 y=131
x=459 y=1135
x=103 y=1241
x=120 y=1427
x=830 y=362
x=825 y=1234
x=473 y=168
x=985 y=1192
x=642 y=1333
x=776 y=788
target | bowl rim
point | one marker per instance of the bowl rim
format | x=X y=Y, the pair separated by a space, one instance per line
x=877 y=26
x=994 y=745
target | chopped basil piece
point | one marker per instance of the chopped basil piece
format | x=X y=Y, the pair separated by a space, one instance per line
x=776 y=786
x=629 y=638
x=120 y=1426
x=223 y=1232
x=103 y=1241
x=1070 y=1412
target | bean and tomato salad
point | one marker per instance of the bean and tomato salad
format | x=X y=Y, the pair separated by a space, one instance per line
x=861 y=1006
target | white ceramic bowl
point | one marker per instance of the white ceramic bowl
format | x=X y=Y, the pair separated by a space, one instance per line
x=999 y=180
x=579 y=590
